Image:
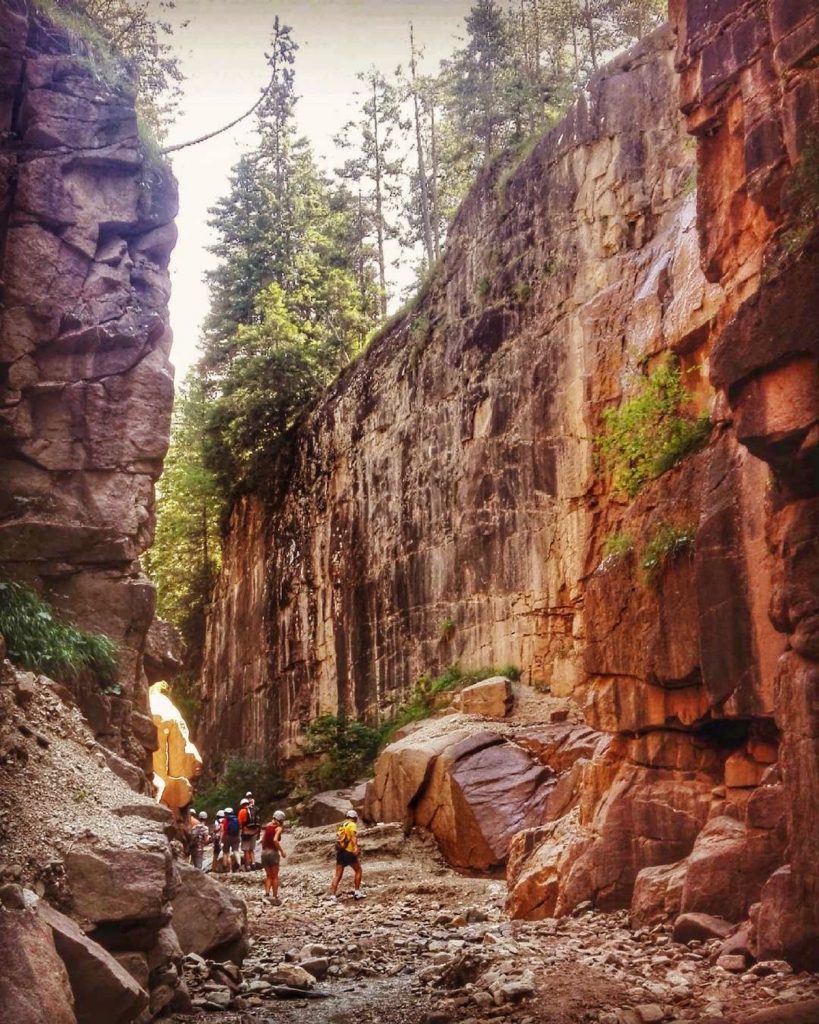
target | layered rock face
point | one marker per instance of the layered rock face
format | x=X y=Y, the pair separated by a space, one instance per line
x=449 y=477
x=446 y=480
x=86 y=229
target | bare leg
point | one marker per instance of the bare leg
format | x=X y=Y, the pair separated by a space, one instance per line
x=337 y=878
x=274 y=881
x=357 y=874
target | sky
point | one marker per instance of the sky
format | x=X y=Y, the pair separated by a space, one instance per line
x=222 y=53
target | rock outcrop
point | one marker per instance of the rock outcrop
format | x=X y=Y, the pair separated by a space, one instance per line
x=86 y=388
x=449 y=478
x=177 y=762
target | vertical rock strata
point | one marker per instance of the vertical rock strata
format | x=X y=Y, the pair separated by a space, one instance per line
x=449 y=478
x=86 y=230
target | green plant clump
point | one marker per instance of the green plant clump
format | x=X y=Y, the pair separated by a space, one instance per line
x=650 y=432
x=446 y=630
x=522 y=291
x=667 y=543
x=483 y=287
x=38 y=640
x=618 y=545
x=239 y=776
x=346 y=749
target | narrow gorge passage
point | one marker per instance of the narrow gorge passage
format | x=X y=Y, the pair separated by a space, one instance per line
x=472 y=501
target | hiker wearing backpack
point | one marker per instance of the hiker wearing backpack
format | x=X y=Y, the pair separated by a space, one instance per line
x=272 y=853
x=199 y=837
x=347 y=855
x=249 y=827
x=230 y=839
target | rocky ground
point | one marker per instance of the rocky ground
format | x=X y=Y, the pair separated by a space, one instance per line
x=429 y=946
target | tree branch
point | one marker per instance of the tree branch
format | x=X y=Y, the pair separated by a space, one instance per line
x=219 y=131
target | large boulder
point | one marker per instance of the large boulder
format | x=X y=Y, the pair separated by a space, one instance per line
x=657 y=894
x=327 y=808
x=208 y=919
x=34 y=985
x=113 y=884
x=728 y=867
x=103 y=989
x=491 y=698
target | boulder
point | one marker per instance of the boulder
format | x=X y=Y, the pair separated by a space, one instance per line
x=804 y=1012
x=491 y=698
x=657 y=895
x=115 y=884
x=207 y=918
x=34 y=984
x=164 y=651
x=702 y=927
x=326 y=808
x=291 y=976
x=103 y=989
x=728 y=867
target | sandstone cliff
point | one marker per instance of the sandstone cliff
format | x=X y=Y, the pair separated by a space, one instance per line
x=450 y=476
x=86 y=230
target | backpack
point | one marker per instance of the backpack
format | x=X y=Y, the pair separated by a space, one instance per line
x=232 y=825
x=252 y=818
x=344 y=838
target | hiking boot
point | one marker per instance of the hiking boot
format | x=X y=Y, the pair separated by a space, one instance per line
x=358 y=895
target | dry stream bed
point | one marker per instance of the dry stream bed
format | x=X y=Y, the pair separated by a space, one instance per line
x=429 y=946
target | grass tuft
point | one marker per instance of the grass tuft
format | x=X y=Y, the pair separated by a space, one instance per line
x=667 y=544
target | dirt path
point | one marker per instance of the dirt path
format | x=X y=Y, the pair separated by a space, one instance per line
x=428 y=946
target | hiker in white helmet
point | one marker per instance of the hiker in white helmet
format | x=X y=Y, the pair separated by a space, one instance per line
x=272 y=853
x=348 y=855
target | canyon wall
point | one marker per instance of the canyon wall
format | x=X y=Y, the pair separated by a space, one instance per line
x=86 y=388
x=443 y=502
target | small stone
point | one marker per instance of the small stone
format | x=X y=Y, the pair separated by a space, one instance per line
x=650 y=1013
x=731 y=962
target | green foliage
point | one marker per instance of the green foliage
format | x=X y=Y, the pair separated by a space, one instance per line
x=39 y=640
x=120 y=40
x=667 y=543
x=522 y=291
x=185 y=556
x=345 y=749
x=802 y=199
x=446 y=630
x=483 y=288
x=241 y=775
x=618 y=545
x=651 y=431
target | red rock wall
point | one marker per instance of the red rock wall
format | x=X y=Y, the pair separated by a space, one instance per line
x=86 y=388
x=450 y=474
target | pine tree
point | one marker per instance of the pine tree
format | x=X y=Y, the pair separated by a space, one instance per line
x=376 y=167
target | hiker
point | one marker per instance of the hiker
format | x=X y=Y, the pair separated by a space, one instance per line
x=347 y=855
x=249 y=826
x=199 y=836
x=230 y=840
x=216 y=839
x=272 y=853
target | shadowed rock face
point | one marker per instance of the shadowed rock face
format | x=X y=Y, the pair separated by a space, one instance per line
x=86 y=231
x=449 y=475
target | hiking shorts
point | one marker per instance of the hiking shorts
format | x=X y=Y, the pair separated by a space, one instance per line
x=230 y=844
x=346 y=859
x=270 y=858
x=248 y=844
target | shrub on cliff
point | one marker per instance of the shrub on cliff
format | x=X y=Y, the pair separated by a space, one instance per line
x=651 y=431
x=38 y=640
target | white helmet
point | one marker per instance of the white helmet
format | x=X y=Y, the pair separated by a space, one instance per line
x=220 y=814
x=352 y=814
x=279 y=815
x=228 y=810
x=203 y=815
x=243 y=803
x=249 y=795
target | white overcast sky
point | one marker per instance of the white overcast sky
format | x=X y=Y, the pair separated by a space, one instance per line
x=222 y=53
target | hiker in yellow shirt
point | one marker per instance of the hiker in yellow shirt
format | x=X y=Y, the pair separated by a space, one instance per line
x=347 y=855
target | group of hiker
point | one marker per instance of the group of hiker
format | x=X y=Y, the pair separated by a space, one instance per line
x=233 y=837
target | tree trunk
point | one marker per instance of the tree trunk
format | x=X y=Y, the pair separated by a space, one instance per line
x=379 y=208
